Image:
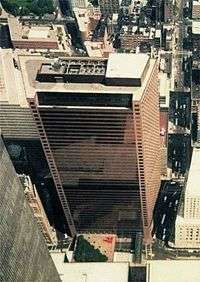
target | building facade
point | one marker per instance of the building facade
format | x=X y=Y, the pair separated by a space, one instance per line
x=38 y=210
x=109 y=7
x=16 y=121
x=24 y=255
x=25 y=36
x=101 y=138
x=187 y=228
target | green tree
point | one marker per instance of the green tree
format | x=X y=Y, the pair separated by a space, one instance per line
x=65 y=258
x=25 y=7
x=85 y=252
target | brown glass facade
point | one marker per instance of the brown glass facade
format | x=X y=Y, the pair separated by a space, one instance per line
x=103 y=152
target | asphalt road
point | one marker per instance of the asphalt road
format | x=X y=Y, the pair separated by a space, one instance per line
x=180 y=83
x=166 y=210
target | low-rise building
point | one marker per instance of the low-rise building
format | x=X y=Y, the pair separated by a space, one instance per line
x=90 y=272
x=196 y=9
x=94 y=32
x=168 y=31
x=38 y=36
x=16 y=120
x=196 y=34
x=132 y=37
x=164 y=89
x=38 y=210
x=173 y=270
x=168 y=10
x=80 y=4
x=109 y=7
x=87 y=20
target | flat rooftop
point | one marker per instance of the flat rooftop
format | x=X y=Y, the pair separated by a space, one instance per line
x=117 y=67
x=126 y=65
x=75 y=67
x=19 y=32
x=105 y=242
x=196 y=27
x=192 y=186
x=173 y=271
x=80 y=77
x=196 y=3
x=11 y=84
x=90 y=272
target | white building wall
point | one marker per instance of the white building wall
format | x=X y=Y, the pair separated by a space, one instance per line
x=187 y=235
x=192 y=207
x=80 y=4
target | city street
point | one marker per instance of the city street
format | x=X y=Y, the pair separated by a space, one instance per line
x=166 y=210
x=180 y=31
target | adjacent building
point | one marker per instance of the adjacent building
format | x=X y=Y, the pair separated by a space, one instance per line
x=109 y=7
x=38 y=210
x=168 y=10
x=133 y=37
x=38 y=36
x=173 y=270
x=23 y=255
x=80 y=4
x=196 y=9
x=83 y=271
x=187 y=228
x=98 y=121
x=16 y=121
x=196 y=35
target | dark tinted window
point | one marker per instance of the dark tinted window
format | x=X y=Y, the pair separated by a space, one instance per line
x=85 y=99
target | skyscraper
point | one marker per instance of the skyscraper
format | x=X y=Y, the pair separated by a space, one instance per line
x=23 y=254
x=98 y=121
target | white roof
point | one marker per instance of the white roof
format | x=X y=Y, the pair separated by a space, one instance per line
x=174 y=271
x=38 y=32
x=90 y=272
x=196 y=3
x=193 y=186
x=114 y=17
x=196 y=27
x=126 y=65
x=11 y=83
x=158 y=33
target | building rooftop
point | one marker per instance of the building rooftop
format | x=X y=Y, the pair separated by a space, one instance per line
x=106 y=242
x=83 y=82
x=196 y=27
x=11 y=83
x=173 y=270
x=192 y=187
x=126 y=65
x=196 y=9
x=25 y=32
x=90 y=272
x=196 y=3
x=50 y=36
x=164 y=89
